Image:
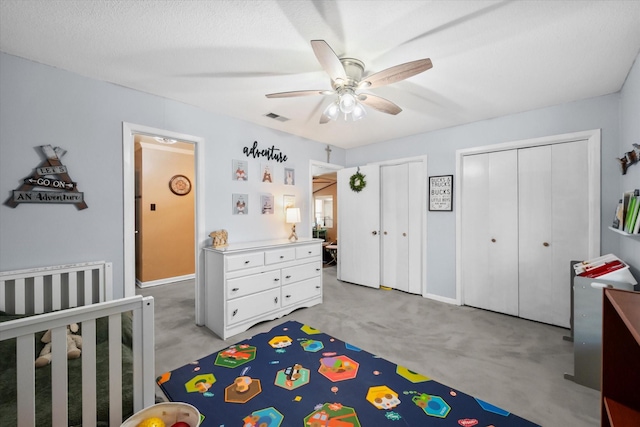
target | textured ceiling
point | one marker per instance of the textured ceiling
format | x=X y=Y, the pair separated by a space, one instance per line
x=490 y=58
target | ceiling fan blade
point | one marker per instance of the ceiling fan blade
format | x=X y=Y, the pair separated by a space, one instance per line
x=379 y=104
x=328 y=59
x=298 y=93
x=395 y=74
x=324 y=118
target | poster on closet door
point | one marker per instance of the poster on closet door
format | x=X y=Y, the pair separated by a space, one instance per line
x=441 y=193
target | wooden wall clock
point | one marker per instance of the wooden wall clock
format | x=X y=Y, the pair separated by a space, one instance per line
x=180 y=185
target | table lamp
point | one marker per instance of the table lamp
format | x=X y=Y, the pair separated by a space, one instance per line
x=293 y=217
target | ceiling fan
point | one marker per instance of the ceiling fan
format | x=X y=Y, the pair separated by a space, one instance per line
x=347 y=80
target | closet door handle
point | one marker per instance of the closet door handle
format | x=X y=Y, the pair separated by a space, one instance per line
x=404 y=234
x=375 y=233
x=385 y=233
x=493 y=240
x=545 y=244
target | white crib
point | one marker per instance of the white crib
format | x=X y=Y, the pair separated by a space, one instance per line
x=54 y=297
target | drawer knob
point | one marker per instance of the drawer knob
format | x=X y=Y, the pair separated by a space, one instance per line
x=234 y=312
x=317 y=269
x=318 y=287
x=247 y=262
x=287 y=277
x=277 y=279
x=235 y=289
x=281 y=256
x=275 y=300
x=310 y=252
x=288 y=296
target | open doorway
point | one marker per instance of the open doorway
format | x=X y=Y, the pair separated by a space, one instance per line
x=164 y=210
x=324 y=208
x=129 y=131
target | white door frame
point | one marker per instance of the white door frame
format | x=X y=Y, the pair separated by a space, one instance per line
x=423 y=160
x=314 y=165
x=593 y=138
x=129 y=130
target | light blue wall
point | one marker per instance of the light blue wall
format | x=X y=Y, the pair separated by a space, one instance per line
x=440 y=148
x=630 y=133
x=43 y=105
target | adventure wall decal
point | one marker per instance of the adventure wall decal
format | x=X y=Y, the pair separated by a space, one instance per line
x=271 y=153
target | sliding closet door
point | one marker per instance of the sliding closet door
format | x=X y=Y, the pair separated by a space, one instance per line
x=554 y=219
x=490 y=231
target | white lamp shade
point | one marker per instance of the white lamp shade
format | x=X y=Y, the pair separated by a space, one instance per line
x=293 y=215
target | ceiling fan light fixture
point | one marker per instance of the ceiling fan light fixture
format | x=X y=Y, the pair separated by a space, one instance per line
x=358 y=112
x=332 y=111
x=347 y=102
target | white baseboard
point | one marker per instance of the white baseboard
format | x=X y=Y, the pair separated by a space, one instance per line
x=164 y=281
x=447 y=300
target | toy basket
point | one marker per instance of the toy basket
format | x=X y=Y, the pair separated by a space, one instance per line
x=169 y=412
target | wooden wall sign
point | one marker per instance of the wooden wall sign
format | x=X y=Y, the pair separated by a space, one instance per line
x=50 y=183
x=440 y=193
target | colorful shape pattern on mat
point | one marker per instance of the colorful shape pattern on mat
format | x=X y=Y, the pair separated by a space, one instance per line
x=257 y=383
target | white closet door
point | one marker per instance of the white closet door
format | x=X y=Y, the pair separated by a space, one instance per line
x=358 y=228
x=394 y=181
x=554 y=215
x=490 y=231
x=416 y=206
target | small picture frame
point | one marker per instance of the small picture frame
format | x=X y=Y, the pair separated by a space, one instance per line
x=240 y=204
x=240 y=170
x=289 y=176
x=267 y=173
x=441 y=193
x=266 y=204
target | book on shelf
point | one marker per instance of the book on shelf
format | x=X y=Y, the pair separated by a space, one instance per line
x=632 y=212
x=626 y=198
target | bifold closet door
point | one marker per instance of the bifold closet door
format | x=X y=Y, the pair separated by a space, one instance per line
x=402 y=198
x=554 y=223
x=394 y=200
x=490 y=231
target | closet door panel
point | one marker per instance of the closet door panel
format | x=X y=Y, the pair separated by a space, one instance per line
x=490 y=231
x=475 y=233
x=417 y=202
x=536 y=253
x=503 y=226
x=570 y=222
x=395 y=196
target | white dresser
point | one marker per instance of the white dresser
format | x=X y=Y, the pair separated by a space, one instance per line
x=247 y=283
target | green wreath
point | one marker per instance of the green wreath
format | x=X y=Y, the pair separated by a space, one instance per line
x=357 y=182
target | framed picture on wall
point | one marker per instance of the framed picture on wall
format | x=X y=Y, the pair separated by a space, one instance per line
x=288 y=201
x=266 y=204
x=240 y=204
x=289 y=176
x=441 y=193
x=240 y=170
x=267 y=173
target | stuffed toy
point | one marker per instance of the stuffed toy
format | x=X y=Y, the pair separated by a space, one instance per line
x=74 y=345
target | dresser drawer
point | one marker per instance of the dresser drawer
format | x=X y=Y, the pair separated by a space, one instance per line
x=280 y=255
x=301 y=272
x=308 y=251
x=252 y=306
x=251 y=284
x=238 y=262
x=292 y=294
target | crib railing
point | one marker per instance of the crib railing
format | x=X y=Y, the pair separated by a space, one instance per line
x=46 y=289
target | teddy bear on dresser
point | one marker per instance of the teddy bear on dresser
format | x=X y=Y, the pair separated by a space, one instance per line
x=74 y=345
